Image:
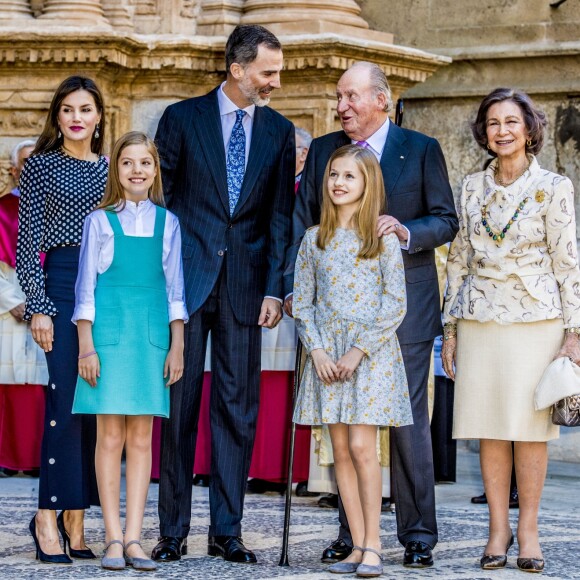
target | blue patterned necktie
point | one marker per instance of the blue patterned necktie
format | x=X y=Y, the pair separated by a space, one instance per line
x=236 y=160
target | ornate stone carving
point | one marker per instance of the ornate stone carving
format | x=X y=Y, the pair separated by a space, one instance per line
x=21 y=123
x=75 y=12
x=219 y=17
x=5 y=178
x=145 y=7
x=118 y=14
x=190 y=8
x=14 y=9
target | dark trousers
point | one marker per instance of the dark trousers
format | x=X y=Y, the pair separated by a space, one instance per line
x=413 y=481
x=67 y=462
x=234 y=399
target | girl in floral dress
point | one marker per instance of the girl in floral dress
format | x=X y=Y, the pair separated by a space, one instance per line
x=349 y=299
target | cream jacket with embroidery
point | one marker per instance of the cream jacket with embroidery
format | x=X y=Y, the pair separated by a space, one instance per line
x=533 y=273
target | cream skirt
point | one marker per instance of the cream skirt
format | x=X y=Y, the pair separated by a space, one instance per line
x=498 y=368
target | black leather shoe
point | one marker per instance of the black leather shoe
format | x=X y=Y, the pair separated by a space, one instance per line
x=385 y=504
x=256 y=485
x=479 y=499
x=230 y=548
x=302 y=490
x=417 y=555
x=336 y=552
x=328 y=501
x=514 y=498
x=169 y=549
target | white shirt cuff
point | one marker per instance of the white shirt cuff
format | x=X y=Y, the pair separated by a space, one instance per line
x=83 y=313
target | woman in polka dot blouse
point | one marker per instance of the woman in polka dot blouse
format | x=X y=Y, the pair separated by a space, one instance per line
x=62 y=181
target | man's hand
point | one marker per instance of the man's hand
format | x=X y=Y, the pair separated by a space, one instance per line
x=349 y=362
x=18 y=312
x=387 y=224
x=288 y=305
x=271 y=313
x=42 y=331
x=324 y=366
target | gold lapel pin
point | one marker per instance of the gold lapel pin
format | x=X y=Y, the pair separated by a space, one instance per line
x=540 y=196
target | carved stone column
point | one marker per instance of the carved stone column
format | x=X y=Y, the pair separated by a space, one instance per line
x=75 y=13
x=290 y=11
x=219 y=17
x=118 y=14
x=14 y=10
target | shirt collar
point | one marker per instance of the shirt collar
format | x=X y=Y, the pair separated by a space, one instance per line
x=227 y=106
x=378 y=139
x=133 y=206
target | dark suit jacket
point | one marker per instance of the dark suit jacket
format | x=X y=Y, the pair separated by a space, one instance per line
x=418 y=195
x=255 y=239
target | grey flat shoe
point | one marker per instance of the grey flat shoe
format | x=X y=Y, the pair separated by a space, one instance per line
x=345 y=567
x=142 y=564
x=112 y=563
x=370 y=570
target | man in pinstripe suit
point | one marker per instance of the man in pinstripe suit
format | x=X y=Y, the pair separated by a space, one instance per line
x=228 y=171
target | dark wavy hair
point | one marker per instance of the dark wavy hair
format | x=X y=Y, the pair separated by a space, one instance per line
x=243 y=43
x=49 y=139
x=534 y=118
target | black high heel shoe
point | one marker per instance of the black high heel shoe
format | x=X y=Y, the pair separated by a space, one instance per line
x=86 y=554
x=40 y=555
x=492 y=562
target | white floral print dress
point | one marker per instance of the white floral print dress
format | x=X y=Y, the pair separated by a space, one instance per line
x=341 y=301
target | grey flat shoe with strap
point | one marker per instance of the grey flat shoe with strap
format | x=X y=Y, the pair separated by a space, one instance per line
x=345 y=567
x=370 y=570
x=142 y=564
x=112 y=563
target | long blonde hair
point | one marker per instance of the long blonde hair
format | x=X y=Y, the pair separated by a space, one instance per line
x=372 y=203
x=114 y=198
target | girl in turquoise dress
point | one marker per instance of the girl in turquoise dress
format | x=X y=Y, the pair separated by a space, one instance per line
x=130 y=313
x=349 y=299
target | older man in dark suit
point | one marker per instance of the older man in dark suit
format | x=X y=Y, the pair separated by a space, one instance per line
x=421 y=212
x=228 y=172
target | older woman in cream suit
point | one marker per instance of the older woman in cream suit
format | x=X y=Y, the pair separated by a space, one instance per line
x=512 y=306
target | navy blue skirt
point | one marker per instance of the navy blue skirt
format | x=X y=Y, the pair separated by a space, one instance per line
x=67 y=464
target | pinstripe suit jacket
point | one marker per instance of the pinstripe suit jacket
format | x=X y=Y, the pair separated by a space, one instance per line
x=418 y=195
x=254 y=240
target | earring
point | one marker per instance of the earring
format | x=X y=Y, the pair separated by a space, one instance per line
x=529 y=142
x=59 y=134
x=97 y=134
x=488 y=146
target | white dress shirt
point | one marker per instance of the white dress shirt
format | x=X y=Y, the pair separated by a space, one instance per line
x=228 y=118
x=376 y=144
x=98 y=248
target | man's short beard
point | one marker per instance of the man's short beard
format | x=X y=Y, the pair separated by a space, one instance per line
x=253 y=95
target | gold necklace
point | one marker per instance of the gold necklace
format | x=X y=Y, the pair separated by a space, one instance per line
x=503 y=183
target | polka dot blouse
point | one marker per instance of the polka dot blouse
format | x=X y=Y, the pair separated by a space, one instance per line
x=56 y=194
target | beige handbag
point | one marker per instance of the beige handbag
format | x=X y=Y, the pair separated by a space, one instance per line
x=559 y=387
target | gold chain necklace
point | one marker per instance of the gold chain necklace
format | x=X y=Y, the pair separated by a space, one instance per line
x=503 y=183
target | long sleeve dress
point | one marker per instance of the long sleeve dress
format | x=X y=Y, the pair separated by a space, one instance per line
x=343 y=301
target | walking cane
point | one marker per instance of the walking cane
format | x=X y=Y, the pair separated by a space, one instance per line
x=297 y=367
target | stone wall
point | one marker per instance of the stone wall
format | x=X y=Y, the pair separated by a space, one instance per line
x=519 y=43
x=146 y=54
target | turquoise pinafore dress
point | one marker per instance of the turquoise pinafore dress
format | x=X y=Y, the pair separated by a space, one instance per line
x=131 y=329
